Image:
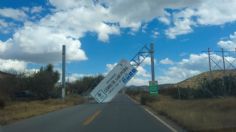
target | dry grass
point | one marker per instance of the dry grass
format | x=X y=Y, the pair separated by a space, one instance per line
x=193 y=82
x=199 y=115
x=20 y=110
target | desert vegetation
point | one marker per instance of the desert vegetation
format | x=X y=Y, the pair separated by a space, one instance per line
x=211 y=106
x=23 y=96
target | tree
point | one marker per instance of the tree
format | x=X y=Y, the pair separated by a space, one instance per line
x=85 y=84
x=42 y=83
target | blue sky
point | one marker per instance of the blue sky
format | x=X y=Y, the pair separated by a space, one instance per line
x=100 y=33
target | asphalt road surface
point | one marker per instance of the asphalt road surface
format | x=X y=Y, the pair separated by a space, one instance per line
x=120 y=115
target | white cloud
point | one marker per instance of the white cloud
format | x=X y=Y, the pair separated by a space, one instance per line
x=166 y=61
x=62 y=27
x=216 y=12
x=182 y=23
x=155 y=34
x=36 y=9
x=84 y=16
x=229 y=44
x=208 y=12
x=70 y=4
x=109 y=67
x=176 y=74
x=137 y=81
x=165 y=18
x=144 y=28
x=75 y=76
x=41 y=45
x=142 y=72
x=3 y=23
x=195 y=64
x=147 y=61
x=7 y=27
x=41 y=41
x=133 y=12
x=16 y=14
x=12 y=65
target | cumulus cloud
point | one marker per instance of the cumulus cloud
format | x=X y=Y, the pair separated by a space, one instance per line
x=137 y=81
x=75 y=76
x=70 y=20
x=210 y=12
x=229 y=44
x=193 y=65
x=184 y=16
x=40 y=45
x=41 y=42
x=166 y=61
x=216 y=12
x=155 y=34
x=16 y=14
x=109 y=67
x=9 y=65
x=182 y=23
x=36 y=9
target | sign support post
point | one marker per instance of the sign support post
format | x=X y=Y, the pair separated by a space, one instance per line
x=153 y=85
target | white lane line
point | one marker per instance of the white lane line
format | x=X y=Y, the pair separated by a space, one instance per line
x=132 y=99
x=163 y=122
x=159 y=119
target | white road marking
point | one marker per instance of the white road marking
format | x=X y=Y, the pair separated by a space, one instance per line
x=163 y=122
x=159 y=119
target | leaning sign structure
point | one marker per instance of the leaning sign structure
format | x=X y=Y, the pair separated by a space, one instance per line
x=119 y=76
x=114 y=81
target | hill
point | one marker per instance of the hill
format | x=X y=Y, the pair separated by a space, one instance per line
x=193 y=82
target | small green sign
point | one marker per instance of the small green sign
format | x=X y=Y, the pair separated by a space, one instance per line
x=153 y=88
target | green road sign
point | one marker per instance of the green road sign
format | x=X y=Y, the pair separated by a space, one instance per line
x=153 y=88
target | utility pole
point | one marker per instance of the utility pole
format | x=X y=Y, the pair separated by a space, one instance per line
x=209 y=58
x=152 y=61
x=209 y=62
x=63 y=71
x=223 y=58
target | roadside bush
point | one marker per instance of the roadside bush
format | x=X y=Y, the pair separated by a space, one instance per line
x=133 y=92
x=225 y=86
x=2 y=104
x=145 y=98
x=85 y=84
x=39 y=85
x=184 y=93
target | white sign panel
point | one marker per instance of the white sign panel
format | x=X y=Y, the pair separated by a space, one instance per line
x=115 y=80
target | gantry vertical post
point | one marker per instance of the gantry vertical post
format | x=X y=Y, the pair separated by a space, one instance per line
x=152 y=61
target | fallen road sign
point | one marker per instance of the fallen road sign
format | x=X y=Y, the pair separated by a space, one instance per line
x=114 y=81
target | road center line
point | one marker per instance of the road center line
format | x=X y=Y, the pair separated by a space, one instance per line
x=89 y=119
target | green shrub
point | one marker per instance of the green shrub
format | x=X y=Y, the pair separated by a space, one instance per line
x=147 y=98
x=2 y=104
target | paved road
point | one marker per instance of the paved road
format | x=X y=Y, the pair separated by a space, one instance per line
x=120 y=115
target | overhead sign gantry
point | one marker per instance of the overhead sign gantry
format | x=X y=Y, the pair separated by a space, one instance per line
x=121 y=74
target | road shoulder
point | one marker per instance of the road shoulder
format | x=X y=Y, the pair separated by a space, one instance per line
x=165 y=121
